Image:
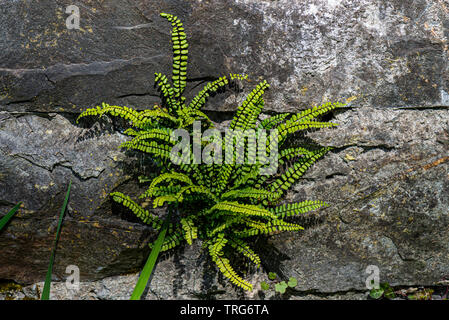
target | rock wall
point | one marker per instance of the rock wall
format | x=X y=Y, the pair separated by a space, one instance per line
x=387 y=179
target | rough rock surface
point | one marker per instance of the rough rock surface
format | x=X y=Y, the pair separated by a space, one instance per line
x=387 y=179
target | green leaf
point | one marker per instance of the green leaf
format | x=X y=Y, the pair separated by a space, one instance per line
x=376 y=293
x=390 y=294
x=265 y=286
x=292 y=282
x=9 y=215
x=388 y=291
x=281 y=287
x=272 y=276
x=385 y=286
x=149 y=265
x=46 y=290
x=143 y=179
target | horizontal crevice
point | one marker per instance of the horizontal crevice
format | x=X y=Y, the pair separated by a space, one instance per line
x=335 y=175
x=421 y=108
x=137 y=95
x=365 y=148
x=62 y=164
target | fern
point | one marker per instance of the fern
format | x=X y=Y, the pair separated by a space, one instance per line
x=244 y=248
x=254 y=193
x=219 y=204
x=180 y=51
x=292 y=174
x=225 y=267
x=190 y=231
x=293 y=209
x=143 y=214
x=235 y=208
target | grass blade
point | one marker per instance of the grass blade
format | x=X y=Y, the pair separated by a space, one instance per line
x=149 y=265
x=9 y=215
x=46 y=290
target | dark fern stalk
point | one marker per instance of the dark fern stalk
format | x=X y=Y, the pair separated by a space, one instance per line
x=223 y=205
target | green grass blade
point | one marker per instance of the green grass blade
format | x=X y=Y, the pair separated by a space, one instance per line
x=9 y=215
x=46 y=290
x=149 y=265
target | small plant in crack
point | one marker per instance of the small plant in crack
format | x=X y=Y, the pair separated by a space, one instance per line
x=384 y=291
x=279 y=286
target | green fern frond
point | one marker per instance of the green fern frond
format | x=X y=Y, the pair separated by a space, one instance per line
x=273 y=121
x=141 y=213
x=225 y=225
x=161 y=200
x=243 y=209
x=138 y=119
x=238 y=76
x=131 y=132
x=160 y=191
x=319 y=124
x=116 y=111
x=156 y=114
x=180 y=54
x=312 y=113
x=169 y=177
x=216 y=253
x=226 y=269
x=164 y=135
x=256 y=224
x=152 y=147
x=235 y=169
x=89 y=112
x=223 y=177
x=172 y=240
x=194 y=170
x=195 y=189
x=190 y=231
x=269 y=229
x=257 y=194
x=292 y=209
x=239 y=174
x=296 y=171
x=216 y=247
x=290 y=153
x=252 y=173
x=243 y=248
x=167 y=91
x=211 y=87
x=291 y=127
x=250 y=109
x=166 y=178
x=189 y=116
x=244 y=119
